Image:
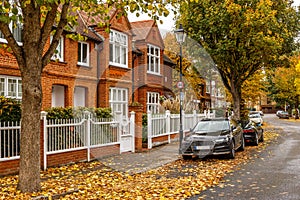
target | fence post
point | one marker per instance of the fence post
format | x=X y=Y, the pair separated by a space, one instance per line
x=88 y=134
x=132 y=129
x=149 y=127
x=45 y=139
x=118 y=118
x=168 y=125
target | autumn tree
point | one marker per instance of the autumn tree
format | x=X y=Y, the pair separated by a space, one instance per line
x=283 y=85
x=39 y=19
x=241 y=36
x=197 y=66
x=254 y=88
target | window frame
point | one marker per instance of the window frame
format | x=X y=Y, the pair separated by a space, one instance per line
x=80 y=62
x=115 y=101
x=17 y=30
x=118 y=46
x=153 y=59
x=17 y=86
x=60 y=49
x=153 y=104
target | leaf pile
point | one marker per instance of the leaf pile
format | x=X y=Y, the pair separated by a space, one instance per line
x=176 y=180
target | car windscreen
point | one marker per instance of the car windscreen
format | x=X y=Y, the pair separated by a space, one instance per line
x=254 y=116
x=211 y=126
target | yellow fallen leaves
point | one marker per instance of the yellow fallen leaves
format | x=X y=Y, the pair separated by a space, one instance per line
x=177 y=180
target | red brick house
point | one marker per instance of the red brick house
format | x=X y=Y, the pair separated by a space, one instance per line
x=153 y=73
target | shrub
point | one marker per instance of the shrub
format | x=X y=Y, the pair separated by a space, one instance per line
x=10 y=109
x=71 y=113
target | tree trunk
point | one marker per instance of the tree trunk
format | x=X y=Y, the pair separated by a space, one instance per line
x=236 y=97
x=29 y=174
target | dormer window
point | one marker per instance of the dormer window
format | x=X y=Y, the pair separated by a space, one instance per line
x=118 y=49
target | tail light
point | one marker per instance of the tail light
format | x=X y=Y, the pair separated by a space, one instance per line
x=248 y=131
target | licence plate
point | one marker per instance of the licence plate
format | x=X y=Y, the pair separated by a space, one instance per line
x=202 y=147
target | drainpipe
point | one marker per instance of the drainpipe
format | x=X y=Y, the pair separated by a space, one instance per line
x=134 y=56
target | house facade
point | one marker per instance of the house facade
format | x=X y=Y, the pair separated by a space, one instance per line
x=153 y=72
x=108 y=69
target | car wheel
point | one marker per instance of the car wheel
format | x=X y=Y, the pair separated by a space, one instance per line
x=242 y=147
x=231 y=155
x=262 y=137
x=256 y=140
x=186 y=157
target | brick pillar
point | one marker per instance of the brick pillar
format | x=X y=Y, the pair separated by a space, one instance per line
x=138 y=109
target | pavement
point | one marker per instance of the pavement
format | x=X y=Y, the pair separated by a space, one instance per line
x=134 y=163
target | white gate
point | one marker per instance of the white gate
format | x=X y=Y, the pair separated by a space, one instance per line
x=127 y=132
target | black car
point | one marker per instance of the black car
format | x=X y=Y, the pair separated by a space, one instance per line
x=253 y=133
x=218 y=136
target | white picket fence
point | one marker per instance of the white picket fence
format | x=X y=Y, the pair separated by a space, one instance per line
x=64 y=135
x=167 y=124
x=87 y=133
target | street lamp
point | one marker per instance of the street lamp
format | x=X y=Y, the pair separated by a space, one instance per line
x=180 y=37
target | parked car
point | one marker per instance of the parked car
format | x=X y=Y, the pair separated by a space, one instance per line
x=257 y=112
x=256 y=118
x=218 y=136
x=283 y=115
x=278 y=112
x=253 y=133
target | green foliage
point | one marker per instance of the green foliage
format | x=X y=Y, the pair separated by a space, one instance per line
x=71 y=113
x=10 y=109
x=242 y=37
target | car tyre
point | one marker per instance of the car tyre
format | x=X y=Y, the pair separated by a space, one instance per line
x=231 y=155
x=187 y=157
x=261 y=137
x=256 y=140
x=242 y=147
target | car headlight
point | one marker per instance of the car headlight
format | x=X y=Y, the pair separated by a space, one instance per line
x=222 y=140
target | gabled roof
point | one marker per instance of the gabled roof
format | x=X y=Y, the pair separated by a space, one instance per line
x=141 y=29
x=93 y=21
x=86 y=30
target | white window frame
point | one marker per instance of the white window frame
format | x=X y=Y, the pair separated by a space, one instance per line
x=17 y=33
x=118 y=100
x=59 y=54
x=153 y=102
x=80 y=60
x=15 y=87
x=153 y=58
x=118 y=49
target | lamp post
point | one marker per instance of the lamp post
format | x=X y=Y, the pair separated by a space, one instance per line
x=180 y=37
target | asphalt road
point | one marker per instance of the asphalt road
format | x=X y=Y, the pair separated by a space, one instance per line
x=274 y=175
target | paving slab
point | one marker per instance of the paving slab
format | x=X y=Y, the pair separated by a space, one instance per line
x=133 y=163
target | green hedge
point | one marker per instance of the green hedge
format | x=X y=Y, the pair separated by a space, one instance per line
x=10 y=109
x=71 y=113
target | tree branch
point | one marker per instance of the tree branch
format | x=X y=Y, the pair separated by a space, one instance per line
x=59 y=29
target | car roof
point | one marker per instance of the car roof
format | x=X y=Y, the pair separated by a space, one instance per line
x=215 y=119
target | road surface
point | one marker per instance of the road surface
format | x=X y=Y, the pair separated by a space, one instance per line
x=275 y=175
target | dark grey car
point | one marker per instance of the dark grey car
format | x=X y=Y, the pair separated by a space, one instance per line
x=218 y=136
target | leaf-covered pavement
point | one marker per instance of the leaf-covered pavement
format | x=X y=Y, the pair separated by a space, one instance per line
x=176 y=180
